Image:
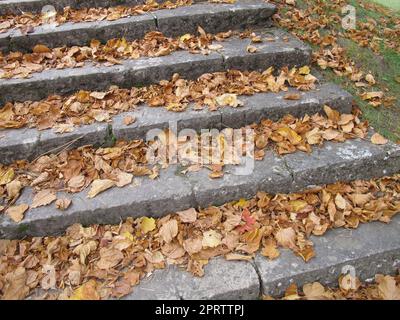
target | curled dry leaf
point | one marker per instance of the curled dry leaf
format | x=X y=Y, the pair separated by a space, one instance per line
x=228 y=99
x=63 y=203
x=376 y=138
x=251 y=49
x=128 y=120
x=99 y=186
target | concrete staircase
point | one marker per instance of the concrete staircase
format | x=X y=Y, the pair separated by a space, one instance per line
x=371 y=248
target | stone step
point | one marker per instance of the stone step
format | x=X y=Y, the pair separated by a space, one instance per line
x=213 y=18
x=36 y=6
x=285 y=50
x=172 y=191
x=372 y=248
x=29 y=143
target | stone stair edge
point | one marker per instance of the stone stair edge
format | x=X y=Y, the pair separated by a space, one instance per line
x=171 y=192
x=282 y=52
x=29 y=143
x=171 y=22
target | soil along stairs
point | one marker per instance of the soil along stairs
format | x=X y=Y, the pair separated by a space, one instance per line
x=372 y=248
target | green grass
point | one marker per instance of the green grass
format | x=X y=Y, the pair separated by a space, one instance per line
x=393 y=4
x=384 y=66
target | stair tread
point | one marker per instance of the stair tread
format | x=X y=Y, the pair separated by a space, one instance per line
x=28 y=143
x=373 y=248
x=18 y=6
x=171 y=192
x=286 y=50
x=172 y=22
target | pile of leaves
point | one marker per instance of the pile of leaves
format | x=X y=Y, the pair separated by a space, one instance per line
x=212 y=90
x=100 y=261
x=27 y=21
x=317 y=24
x=154 y=44
x=384 y=287
x=103 y=168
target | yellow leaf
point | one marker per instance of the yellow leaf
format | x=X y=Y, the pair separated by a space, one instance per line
x=185 y=37
x=147 y=224
x=87 y=291
x=289 y=134
x=6 y=176
x=297 y=205
x=372 y=95
x=304 y=70
x=242 y=203
x=129 y=236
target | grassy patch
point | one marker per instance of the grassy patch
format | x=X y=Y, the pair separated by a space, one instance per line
x=385 y=67
x=394 y=4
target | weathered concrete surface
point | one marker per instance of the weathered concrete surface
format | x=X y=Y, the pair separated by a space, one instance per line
x=149 y=70
x=79 y=33
x=220 y=17
x=353 y=159
x=371 y=249
x=18 y=6
x=227 y=280
x=296 y=52
x=173 y=192
x=213 y=17
x=17 y=144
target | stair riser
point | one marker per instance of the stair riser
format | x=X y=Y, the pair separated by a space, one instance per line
x=372 y=248
x=15 y=145
x=144 y=71
x=213 y=18
x=355 y=159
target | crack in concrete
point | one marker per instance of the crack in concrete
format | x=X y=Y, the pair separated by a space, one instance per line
x=260 y=282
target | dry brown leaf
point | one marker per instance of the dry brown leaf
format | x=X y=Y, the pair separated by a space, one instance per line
x=128 y=120
x=43 y=198
x=99 y=186
x=211 y=239
x=169 y=230
x=16 y=213
x=286 y=237
x=188 y=216
x=109 y=258
x=63 y=203
x=378 y=139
